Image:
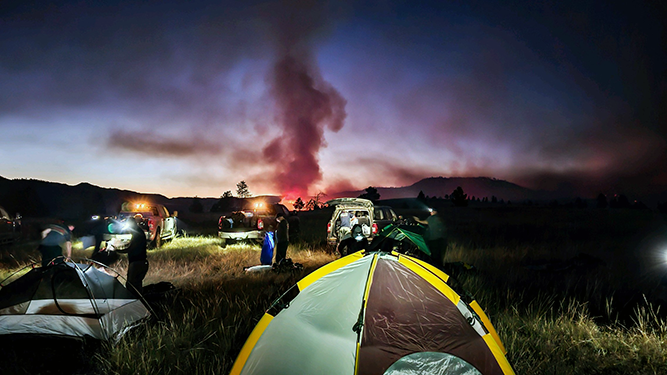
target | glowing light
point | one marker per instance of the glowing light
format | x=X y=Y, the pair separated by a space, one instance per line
x=95 y=217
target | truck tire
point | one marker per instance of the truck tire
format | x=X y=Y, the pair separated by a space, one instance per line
x=157 y=241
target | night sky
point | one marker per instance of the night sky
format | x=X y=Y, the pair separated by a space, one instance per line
x=295 y=97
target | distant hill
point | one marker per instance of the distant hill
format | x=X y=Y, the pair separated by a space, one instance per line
x=36 y=198
x=478 y=187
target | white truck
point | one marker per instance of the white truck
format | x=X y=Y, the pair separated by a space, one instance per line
x=10 y=227
x=156 y=222
x=252 y=222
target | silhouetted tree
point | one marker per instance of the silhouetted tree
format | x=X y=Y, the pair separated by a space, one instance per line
x=225 y=204
x=494 y=199
x=371 y=194
x=298 y=204
x=459 y=198
x=227 y=194
x=315 y=203
x=196 y=206
x=601 y=201
x=421 y=197
x=312 y=205
x=623 y=201
x=242 y=190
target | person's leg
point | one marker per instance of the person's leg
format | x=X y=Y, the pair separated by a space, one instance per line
x=136 y=272
x=436 y=253
x=49 y=253
x=281 y=251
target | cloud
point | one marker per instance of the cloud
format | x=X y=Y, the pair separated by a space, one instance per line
x=151 y=144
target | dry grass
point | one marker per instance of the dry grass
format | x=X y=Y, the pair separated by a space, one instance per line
x=216 y=307
x=577 y=321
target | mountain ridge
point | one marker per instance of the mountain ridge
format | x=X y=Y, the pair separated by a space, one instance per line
x=477 y=187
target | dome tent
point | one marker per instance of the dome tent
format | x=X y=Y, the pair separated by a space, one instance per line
x=69 y=299
x=373 y=313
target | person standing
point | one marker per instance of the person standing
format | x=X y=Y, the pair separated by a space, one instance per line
x=53 y=239
x=136 y=256
x=435 y=237
x=282 y=237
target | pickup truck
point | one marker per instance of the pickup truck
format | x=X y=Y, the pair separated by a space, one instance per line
x=252 y=222
x=156 y=222
x=10 y=227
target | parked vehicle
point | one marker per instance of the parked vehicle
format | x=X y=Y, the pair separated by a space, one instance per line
x=156 y=222
x=371 y=218
x=383 y=216
x=10 y=227
x=252 y=222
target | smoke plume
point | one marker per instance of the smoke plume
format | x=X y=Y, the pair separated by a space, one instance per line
x=305 y=105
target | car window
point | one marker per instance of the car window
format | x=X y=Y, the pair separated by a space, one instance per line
x=379 y=215
x=4 y=214
x=166 y=212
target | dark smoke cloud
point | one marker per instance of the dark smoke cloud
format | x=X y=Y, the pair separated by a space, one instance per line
x=162 y=61
x=150 y=144
x=560 y=131
x=305 y=104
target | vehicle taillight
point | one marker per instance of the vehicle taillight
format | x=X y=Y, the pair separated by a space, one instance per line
x=150 y=223
x=375 y=228
x=220 y=222
x=328 y=227
x=260 y=224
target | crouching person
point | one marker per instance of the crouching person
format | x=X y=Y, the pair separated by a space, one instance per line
x=54 y=238
x=136 y=256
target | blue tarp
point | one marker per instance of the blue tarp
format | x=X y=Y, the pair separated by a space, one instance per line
x=267 y=249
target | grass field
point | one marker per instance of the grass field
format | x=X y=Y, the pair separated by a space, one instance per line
x=554 y=316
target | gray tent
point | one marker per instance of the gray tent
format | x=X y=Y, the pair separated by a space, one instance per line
x=69 y=299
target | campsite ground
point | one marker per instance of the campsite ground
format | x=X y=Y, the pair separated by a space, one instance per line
x=571 y=291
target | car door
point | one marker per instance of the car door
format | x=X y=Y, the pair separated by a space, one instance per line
x=169 y=224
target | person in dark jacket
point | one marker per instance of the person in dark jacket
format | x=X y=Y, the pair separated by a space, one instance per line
x=282 y=237
x=136 y=256
x=435 y=236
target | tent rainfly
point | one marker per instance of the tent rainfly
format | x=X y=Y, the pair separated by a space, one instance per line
x=69 y=299
x=373 y=313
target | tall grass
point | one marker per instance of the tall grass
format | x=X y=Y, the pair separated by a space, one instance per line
x=215 y=308
x=551 y=323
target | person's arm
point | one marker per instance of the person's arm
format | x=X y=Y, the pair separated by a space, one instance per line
x=424 y=222
x=68 y=249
